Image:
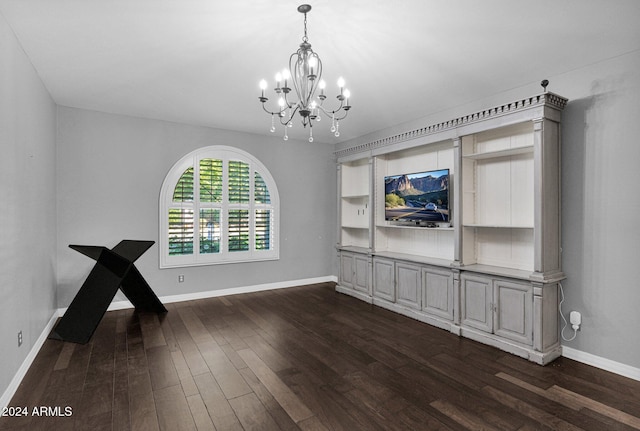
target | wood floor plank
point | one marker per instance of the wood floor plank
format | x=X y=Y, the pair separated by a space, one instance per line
x=220 y=411
x=188 y=347
x=65 y=356
x=330 y=406
x=281 y=392
x=464 y=417
x=197 y=330
x=571 y=397
x=367 y=407
x=378 y=390
x=312 y=424
x=97 y=399
x=184 y=374
x=231 y=337
x=415 y=418
x=233 y=356
x=226 y=301
x=173 y=409
x=120 y=420
x=534 y=413
x=152 y=334
x=284 y=421
x=252 y=414
x=143 y=412
x=222 y=369
x=565 y=400
x=270 y=356
x=199 y=412
x=162 y=371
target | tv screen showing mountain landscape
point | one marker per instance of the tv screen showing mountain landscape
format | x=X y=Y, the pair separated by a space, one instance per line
x=418 y=197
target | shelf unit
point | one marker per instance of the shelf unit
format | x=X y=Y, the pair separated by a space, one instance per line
x=355 y=203
x=492 y=272
x=498 y=188
x=418 y=241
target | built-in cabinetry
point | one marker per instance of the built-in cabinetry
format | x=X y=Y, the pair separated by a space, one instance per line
x=355 y=272
x=492 y=272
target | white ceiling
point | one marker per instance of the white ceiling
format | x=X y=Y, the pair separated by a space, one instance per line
x=200 y=61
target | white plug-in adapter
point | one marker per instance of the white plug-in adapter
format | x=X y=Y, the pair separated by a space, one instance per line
x=576 y=319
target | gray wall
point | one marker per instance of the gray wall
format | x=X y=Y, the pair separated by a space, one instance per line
x=601 y=206
x=28 y=216
x=111 y=169
x=601 y=200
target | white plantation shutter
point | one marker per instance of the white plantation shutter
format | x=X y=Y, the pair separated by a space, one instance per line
x=263 y=229
x=217 y=205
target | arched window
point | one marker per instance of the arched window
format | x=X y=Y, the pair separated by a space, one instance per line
x=218 y=204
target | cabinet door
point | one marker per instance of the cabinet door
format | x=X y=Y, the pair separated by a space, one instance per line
x=437 y=292
x=383 y=279
x=476 y=298
x=513 y=304
x=346 y=269
x=361 y=280
x=408 y=285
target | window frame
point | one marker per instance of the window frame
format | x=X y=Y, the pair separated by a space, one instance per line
x=224 y=256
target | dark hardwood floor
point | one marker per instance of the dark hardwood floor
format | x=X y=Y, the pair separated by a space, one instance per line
x=305 y=358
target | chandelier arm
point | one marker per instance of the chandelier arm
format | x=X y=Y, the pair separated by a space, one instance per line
x=269 y=112
x=343 y=117
x=290 y=119
x=286 y=101
x=329 y=112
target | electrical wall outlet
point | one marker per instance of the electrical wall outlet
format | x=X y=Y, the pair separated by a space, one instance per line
x=180 y=278
x=19 y=338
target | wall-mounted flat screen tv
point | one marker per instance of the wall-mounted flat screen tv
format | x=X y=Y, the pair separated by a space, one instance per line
x=421 y=197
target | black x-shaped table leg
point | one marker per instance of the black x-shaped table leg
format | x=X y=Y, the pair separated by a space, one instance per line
x=113 y=269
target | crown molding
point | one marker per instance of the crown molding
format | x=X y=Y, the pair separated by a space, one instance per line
x=551 y=100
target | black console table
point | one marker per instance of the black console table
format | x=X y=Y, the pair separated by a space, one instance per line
x=114 y=269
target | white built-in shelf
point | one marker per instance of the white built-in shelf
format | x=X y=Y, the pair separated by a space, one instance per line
x=355 y=227
x=393 y=226
x=363 y=196
x=497 y=226
x=413 y=258
x=500 y=153
x=353 y=248
x=499 y=271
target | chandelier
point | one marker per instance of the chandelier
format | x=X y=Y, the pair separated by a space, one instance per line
x=305 y=72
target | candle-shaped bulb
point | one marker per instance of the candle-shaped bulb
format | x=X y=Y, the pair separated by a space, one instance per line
x=263 y=86
x=341 y=83
x=286 y=75
x=312 y=64
x=347 y=94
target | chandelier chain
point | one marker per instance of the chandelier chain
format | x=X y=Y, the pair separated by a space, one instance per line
x=305 y=38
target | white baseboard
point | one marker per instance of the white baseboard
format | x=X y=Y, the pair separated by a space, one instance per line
x=22 y=371
x=602 y=363
x=243 y=289
x=120 y=305
x=123 y=305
